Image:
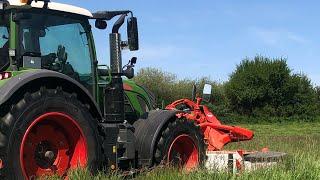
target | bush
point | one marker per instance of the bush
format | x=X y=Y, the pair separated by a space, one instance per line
x=317 y=91
x=168 y=88
x=259 y=88
x=266 y=87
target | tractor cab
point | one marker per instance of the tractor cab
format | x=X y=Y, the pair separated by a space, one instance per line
x=48 y=35
x=58 y=37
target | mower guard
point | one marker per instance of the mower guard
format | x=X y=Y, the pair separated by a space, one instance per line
x=215 y=133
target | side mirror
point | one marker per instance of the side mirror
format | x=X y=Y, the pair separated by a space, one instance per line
x=132 y=31
x=101 y=24
x=133 y=60
x=129 y=73
x=207 y=90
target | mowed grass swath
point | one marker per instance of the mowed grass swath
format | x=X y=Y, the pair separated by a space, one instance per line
x=299 y=140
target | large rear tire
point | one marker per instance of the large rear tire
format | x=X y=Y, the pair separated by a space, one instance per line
x=181 y=144
x=48 y=132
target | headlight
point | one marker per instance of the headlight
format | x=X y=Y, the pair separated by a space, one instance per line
x=5 y=75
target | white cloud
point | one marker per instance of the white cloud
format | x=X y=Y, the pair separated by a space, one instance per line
x=275 y=37
x=296 y=38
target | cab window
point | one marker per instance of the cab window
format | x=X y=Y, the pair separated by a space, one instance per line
x=60 y=43
x=4 y=42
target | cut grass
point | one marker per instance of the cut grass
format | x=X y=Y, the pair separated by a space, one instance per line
x=300 y=140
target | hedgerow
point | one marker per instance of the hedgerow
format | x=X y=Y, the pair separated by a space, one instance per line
x=259 y=88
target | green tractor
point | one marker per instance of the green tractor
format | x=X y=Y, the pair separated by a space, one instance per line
x=60 y=109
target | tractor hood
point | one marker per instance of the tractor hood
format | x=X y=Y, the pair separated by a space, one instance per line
x=130 y=85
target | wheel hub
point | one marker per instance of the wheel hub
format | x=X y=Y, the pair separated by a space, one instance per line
x=45 y=155
x=184 y=152
x=49 y=154
x=52 y=144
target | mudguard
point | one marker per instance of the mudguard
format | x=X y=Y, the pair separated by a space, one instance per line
x=21 y=80
x=147 y=130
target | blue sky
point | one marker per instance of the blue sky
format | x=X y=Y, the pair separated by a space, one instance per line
x=209 y=38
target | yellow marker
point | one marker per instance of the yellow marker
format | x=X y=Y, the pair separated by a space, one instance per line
x=114 y=149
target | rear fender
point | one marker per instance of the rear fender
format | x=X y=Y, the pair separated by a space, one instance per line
x=18 y=85
x=147 y=131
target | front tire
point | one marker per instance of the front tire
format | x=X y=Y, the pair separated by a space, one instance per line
x=48 y=132
x=181 y=144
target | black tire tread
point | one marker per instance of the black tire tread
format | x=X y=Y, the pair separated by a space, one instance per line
x=161 y=148
x=7 y=122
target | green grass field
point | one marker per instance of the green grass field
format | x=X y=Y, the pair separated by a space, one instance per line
x=300 y=140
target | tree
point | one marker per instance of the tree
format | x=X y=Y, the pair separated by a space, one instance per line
x=158 y=82
x=168 y=88
x=317 y=89
x=267 y=87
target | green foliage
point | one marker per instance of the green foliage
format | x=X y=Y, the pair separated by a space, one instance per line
x=266 y=87
x=158 y=82
x=168 y=88
x=219 y=101
x=259 y=88
x=317 y=89
x=302 y=162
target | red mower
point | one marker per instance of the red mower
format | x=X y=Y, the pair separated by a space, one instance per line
x=217 y=135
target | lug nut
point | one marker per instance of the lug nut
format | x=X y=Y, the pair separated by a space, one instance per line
x=49 y=155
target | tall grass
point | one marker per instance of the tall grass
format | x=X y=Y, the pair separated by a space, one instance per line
x=302 y=161
x=301 y=141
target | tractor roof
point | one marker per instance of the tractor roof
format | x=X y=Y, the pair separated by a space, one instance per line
x=54 y=6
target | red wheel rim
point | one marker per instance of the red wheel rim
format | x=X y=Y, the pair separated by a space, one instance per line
x=52 y=144
x=184 y=152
